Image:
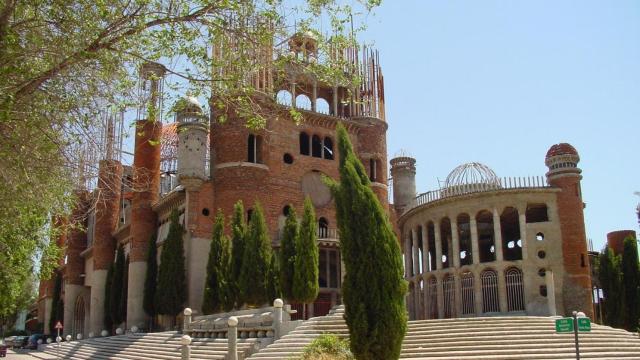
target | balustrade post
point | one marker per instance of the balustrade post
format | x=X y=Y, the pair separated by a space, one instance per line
x=185 y=341
x=277 y=318
x=232 y=338
x=186 y=323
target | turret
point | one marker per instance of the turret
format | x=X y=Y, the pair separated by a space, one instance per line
x=403 y=172
x=192 y=144
x=562 y=160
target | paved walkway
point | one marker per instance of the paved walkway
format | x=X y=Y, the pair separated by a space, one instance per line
x=22 y=355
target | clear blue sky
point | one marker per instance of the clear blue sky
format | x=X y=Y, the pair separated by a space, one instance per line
x=499 y=82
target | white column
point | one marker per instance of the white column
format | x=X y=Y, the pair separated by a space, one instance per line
x=98 y=282
x=497 y=234
x=408 y=262
x=502 y=291
x=455 y=242
x=523 y=231
x=475 y=249
x=551 y=292
x=425 y=250
x=436 y=230
x=440 y=297
x=416 y=252
x=135 y=310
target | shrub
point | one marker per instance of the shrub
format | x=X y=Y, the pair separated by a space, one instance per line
x=328 y=347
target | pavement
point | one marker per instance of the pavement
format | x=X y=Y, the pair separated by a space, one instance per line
x=21 y=354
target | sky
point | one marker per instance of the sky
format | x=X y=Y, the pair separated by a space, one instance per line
x=499 y=82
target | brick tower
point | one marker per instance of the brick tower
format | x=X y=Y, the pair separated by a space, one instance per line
x=562 y=161
x=615 y=240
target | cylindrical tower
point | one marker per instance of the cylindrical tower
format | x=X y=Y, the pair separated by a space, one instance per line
x=192 y=146
x=146 y=179
x=562 y=160
x=107 y=209
x=403 y=172
x=615 y=240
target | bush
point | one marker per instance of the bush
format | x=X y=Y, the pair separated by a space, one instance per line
x=171 y=292
x=328 y=347
x=217 y=296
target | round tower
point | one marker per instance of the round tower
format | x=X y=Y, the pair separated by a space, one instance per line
x=192 y=144
x=403 y=172
x=615 y=240
x=562 y=160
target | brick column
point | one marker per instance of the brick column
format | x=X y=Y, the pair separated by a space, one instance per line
x=146 y=163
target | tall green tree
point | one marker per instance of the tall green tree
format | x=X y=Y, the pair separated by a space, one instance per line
x=124 y=293
x=305 y=278
x=631 y=281
x=287 y=257
x=108 y=320
x=256 y=261
x=57 y=305
x=375 y=309
x=274 y=290
x=117 y=287
x=151 y=279
x=238 y=233
x=611 y=281
x=217 y=295
x=171 y=293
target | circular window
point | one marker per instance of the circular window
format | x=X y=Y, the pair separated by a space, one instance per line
x=543 y=290
x=286 y=210
x=287 y=158
x=542 y=272
x=205 y=212
x=539 y=236
x=542 y=254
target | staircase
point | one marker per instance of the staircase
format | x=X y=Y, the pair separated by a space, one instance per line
x=486 y=338
x=164 y=345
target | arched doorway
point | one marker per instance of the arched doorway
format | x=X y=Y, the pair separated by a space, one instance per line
x=78 y=318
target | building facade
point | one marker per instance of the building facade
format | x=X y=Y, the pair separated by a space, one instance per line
x=483 y=245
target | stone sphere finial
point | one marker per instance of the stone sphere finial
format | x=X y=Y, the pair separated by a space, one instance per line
x=134 y=329
x=187 y=312
x=104 y=333
x=278 y=303
x=119 y=331
x=232 y=321
x=185 y=340
x=68 y=337
x=79 y=336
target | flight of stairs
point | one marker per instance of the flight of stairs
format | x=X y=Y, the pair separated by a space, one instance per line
x=486 y=338
x=164 y=345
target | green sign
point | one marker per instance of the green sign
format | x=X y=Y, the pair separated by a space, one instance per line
x=564 y=325
x=584 y=324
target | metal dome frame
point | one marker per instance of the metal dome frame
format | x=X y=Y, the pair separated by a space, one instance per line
x=471 y=173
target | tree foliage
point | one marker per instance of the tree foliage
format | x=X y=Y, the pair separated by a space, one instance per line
x=151 y=278
x=375 y=309
x=611 y=282
x=238 y=232
x=117 y=285
x=305 y=277
x=631 y=280
x=217 y=294
x=256 y=261
x=287 y=257
x=57 y=305
x=171 y=293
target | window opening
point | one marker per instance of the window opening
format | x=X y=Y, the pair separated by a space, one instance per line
x=303 y=102
x=322 y=106
x=287 y=158
x=328 y=148
x=448 y=288
x=464 y=238
x=539 y=236
x=373 y=176
x=542 y=254
x=515 y=290
x=283 y=97
x=316 y=146
x=304 y=144
x=489 y=281
x=536 y=213
x=254 y=145
x=486 y=236
x=445 y=238
x=323 y=228
x=286 y=210
x=431 y=238
x=510 y=229
x=432 y=298
x=467 y=292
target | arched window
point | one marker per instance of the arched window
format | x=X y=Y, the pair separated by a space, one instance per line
x=432 y=298
x=323 y=228
x=515 y=289
x=322 y=106
x=304 y=144
x=373 y=175
x=486 y=237
x=431 y=239
x=445 y=239
x=254 y=147
x=464 y=238
x=448 y=289
x=283 y=97
x=328 y=148
x=303 y=102
x=489 y=281
x=467 y=292
x=510 y=229
x=316 y=146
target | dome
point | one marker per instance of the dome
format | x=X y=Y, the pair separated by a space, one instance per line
x=561 y=149
x=187 y=104
x=471 y=173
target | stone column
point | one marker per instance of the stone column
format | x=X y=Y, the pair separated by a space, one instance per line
x=551 y=293
x=425 y=297
x=502 y=291
x=522 y=217
x=293 y=94
x=455 y=242
x=458 y=293
x=425 y=250
x=314 y=98
x=408 y=262
x=436 y=230
x=440 y=297
x=416 y=252
x=497 y=235
x=477 y=289
x=475 y=249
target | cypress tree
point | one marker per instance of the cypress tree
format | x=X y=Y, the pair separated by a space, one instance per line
x=305 y=278
x=115 y=301
x=254 y=274
x=631 y=281
x=217 y=296
x=611 y=282
x=124 y=293
x=108 y=321
x=287 y=257
x=150 y=280
x=238 y=231
x=274 y=290
x=57 y=306
x=171 y=292
x=373 y=289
